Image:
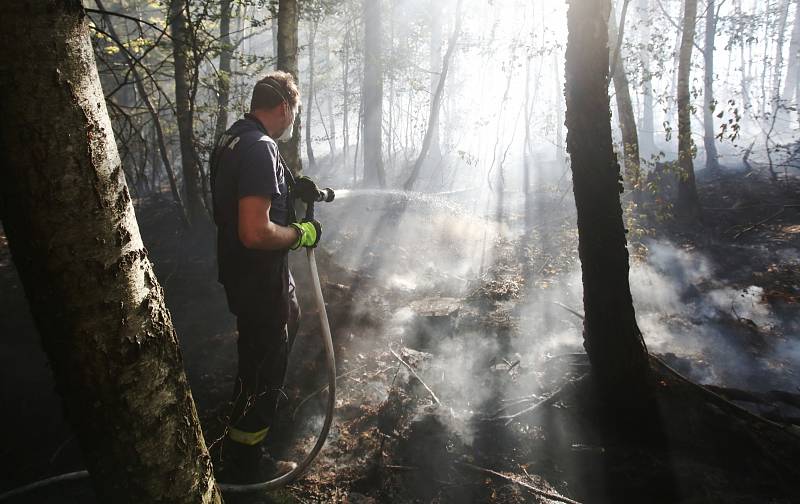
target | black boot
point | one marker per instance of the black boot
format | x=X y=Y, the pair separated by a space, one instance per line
x=244 y=464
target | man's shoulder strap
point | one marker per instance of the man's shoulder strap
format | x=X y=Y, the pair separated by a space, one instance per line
x=226 y=141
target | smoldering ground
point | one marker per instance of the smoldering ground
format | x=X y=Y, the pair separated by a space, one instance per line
x=487 y=309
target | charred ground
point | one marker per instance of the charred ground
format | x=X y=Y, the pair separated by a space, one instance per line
x=500 y=406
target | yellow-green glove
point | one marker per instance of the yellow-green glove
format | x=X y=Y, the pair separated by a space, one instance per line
x=310 y=233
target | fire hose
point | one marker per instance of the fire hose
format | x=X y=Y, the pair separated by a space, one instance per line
x=280 y=481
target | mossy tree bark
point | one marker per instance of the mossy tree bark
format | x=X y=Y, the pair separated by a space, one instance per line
x=75 y=242
x=611 y=336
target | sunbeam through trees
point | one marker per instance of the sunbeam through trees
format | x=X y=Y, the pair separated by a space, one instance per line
x=400 y=251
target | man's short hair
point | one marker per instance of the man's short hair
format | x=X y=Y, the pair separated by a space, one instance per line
x=275 y=88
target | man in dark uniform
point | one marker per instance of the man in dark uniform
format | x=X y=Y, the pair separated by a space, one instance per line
x=256 y=226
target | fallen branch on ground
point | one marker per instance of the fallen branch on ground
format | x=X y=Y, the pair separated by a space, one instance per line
x=544 y=402
x=764 y=221
x=321 y=389
x=531 y=488
x=433 y=395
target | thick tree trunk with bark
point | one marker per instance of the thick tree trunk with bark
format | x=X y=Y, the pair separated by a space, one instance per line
x=627 y=118
x=611 y=337
x=193 y=199
x=224 y=72
x=688 y=204
x=709 y=136
x=94 y=297
x=288 y=18
x=372 y=92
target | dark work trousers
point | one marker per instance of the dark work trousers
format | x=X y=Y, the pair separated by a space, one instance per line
x=263 y=346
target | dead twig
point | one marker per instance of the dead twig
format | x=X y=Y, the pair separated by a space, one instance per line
x=576 y=313
x=401 y=467
x=544 y=402
x=512 y=403
x=764 y=221
x=381 y=371
x=527 y=486
x=321 y=389
x=408 y=366
x=60 y=448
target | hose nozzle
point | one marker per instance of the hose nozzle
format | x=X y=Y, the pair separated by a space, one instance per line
x=326 y=195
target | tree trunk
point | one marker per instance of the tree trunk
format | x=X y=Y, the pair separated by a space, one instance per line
x=670 y=113
x=611 y=337
x=790 y=96
x=526 y=141
x=709 y=140
x=436 y=101
x=329 y=103
x=742 y=59
x=436 y=71
x=647 y=144
x=688 y=204
x=777 y=66
x=310 y=96
x=94 y=297
x=193 y=199
x=372 y=92
x=288 y=17
x=224 y=80
x=390 y=119
x=273 y=26
x=559 y=109
x=346 y=96
x=627 y=118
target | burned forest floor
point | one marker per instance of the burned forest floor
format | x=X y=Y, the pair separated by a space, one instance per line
x=457 y=328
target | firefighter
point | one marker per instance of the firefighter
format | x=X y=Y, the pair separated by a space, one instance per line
x=253 y=193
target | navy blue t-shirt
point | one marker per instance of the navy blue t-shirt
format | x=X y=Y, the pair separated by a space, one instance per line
x=247 y=163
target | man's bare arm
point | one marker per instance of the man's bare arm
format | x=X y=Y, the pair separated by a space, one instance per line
x=256 y=231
